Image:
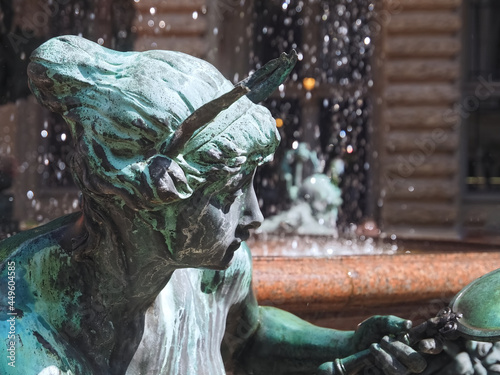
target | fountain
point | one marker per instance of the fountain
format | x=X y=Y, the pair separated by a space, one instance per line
x=167 y=185
x=320 y=279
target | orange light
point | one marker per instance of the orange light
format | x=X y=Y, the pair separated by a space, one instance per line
x=279 y=122
x=309 y=83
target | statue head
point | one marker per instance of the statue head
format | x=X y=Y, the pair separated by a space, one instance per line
x=124 y=109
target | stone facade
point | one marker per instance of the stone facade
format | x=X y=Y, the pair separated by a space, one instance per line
x=419 y=73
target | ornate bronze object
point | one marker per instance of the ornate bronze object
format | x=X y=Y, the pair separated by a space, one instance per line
x=474 y=314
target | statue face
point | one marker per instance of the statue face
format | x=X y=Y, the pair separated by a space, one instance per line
x=211 y=227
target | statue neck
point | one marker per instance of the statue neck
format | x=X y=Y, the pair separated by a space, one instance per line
x=131 y=262
x=124 y=267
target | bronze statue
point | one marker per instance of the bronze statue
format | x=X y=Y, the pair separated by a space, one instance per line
x=153 y=275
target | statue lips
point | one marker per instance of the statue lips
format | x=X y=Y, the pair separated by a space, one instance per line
x=228 y=256
x=241 y=235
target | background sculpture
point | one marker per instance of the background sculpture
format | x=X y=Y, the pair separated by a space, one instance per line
x=315 y=198
x=153 y=276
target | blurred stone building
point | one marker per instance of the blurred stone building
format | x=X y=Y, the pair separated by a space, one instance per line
x=423 y=160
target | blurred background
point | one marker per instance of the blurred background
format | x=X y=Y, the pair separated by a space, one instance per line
x=397 y=100
x=394 y=105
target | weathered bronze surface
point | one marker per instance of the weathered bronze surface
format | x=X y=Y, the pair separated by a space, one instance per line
x=479 y=305
x=153 y=275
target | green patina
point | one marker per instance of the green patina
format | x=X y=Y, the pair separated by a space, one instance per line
x=479 y=303
x=164 y=152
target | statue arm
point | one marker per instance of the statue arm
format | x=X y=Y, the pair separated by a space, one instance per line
x=285 y=344
x=266 y=340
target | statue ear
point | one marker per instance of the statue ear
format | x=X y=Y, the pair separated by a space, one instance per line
x=167 y=178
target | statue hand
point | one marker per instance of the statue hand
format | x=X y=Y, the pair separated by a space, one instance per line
x=373 y=329
x=393 y=356
x=389 y=357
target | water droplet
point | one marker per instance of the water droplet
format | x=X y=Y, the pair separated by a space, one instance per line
x=152 y=11
x=44 y=133
x=295 y=145
x=195 y=15
x=100 y=41
x=30 y=194
x=411 y=188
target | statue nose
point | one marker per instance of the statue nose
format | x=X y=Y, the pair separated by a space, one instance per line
x=252 y=221
x=251 y=217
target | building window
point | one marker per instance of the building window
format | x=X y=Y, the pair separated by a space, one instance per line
x=481 y=104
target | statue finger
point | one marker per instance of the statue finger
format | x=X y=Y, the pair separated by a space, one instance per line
x=405 y=354
x=326 y=369
x=430 y=346
x=387 y=324
x=386 y=362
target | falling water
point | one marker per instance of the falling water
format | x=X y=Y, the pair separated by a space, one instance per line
x=325 y=104
x=334 y=43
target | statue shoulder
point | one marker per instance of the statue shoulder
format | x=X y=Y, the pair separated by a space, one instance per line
x=32 y=347
x=35 y=239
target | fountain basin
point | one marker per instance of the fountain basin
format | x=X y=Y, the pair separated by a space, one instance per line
x=341 y=291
